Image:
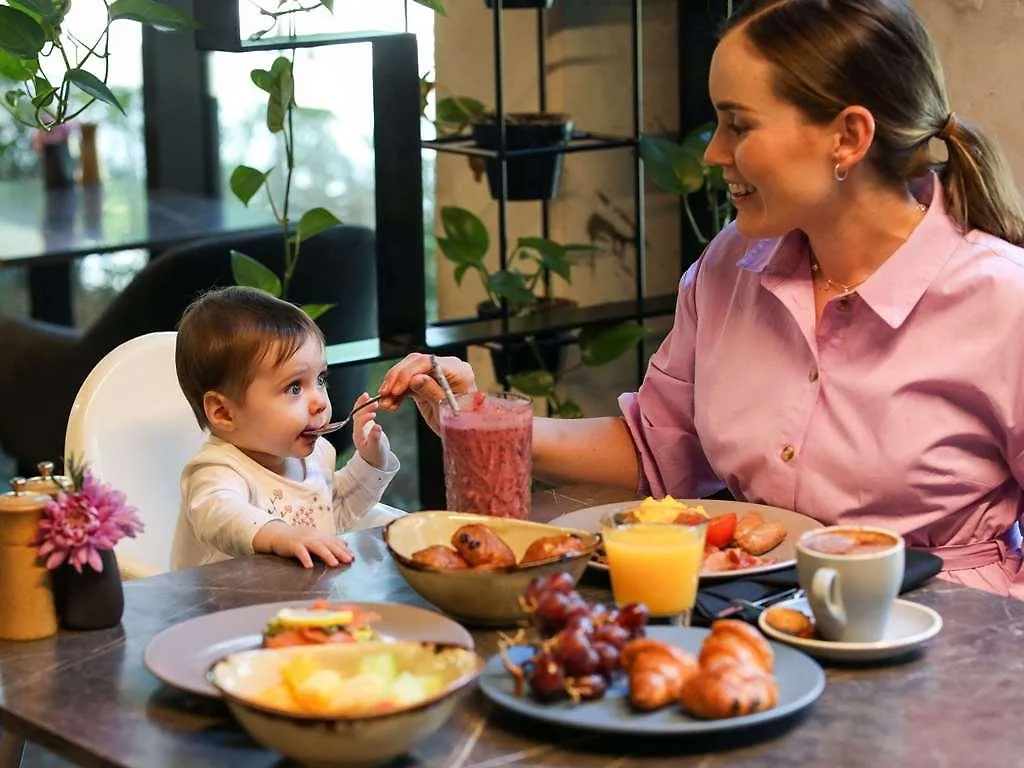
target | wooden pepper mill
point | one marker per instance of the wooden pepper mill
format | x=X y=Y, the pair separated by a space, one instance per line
x=48 y=483
x=26 y=609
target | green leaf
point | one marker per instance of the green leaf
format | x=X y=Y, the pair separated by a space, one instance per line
x=20 y=35
x=697 y=140
x=152 y=14
x=426 y=86
x=92 y=85
x=315 y=221
x=328 y=4
x=263 y=79
x=44 y=93
x=551 y=255
x=252 y=274
x=672 y=167
x=511 y=286
x=601 y=345
x=465 y=235
x=315 y=310
x=282 y=94
x=434 y=5
x=533 y=383
x=460 y=272
x=457 y=112
x=246 y=182
x=13 y=96
x=13 y=68
x=568 y=409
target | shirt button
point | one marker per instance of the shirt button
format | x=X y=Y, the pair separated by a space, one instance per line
x=813 y=375
x=843 y=305
x=788 y=453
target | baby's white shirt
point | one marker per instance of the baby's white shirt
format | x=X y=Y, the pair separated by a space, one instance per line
x=226 y=497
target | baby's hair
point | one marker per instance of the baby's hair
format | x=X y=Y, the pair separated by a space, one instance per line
x=224 y=336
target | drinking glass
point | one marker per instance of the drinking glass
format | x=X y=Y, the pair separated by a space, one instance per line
x=657 y=564
x=488 y=454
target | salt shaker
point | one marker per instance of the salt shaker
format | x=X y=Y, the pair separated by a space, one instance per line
x=27 y=610
x=46 y=482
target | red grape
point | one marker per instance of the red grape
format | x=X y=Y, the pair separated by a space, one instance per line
x=633 y=617
x=612 y=634
x=608 y=658
x=576 y=652
x=562 y=581
x=546 y=677
x=552 y=607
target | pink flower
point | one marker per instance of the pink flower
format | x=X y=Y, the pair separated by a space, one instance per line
x=78 y=525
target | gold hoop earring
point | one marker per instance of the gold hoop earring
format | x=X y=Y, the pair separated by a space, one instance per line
x=839 y=173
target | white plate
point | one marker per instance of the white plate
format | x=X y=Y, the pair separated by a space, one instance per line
x=800 y=681
x=911 y=626
x=589 y=519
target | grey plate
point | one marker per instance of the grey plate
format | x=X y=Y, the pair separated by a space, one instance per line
x=182 y=655
x=589 y=519
x=800 y=680
x=910 y=627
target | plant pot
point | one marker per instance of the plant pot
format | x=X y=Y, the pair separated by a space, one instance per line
x=90 y=599
x=519 y=355
x=533 y=177
x=522 y=3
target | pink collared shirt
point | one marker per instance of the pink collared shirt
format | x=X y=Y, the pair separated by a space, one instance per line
x=903 y=408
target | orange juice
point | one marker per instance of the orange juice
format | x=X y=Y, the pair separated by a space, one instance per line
x=656 y=564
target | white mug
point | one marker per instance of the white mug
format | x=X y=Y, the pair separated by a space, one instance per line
x=852 y=574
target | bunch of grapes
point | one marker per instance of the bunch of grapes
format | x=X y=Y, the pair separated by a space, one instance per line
x=580 y=642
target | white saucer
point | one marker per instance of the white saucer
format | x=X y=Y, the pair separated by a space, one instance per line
x=910 y=626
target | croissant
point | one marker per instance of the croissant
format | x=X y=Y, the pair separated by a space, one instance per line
x=735 y=676
x=553 y=546
x=656 y=671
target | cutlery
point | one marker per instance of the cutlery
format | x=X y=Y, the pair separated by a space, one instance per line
x=449 y=396
x=334 y=426
x=738 y=605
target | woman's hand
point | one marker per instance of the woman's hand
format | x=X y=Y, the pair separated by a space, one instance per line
x=411 y=376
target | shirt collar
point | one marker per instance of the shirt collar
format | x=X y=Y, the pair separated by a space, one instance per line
x=894 y=289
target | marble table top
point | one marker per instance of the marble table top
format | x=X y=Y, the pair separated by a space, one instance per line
x=88 y=697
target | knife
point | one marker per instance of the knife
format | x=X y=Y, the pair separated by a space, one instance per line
x=738 y=606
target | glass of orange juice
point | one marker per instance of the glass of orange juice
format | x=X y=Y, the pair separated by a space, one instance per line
x=655 y=563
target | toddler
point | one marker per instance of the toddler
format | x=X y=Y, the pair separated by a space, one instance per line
x=254 y=370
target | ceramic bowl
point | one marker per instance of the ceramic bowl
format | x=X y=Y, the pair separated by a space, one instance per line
x=343 y=741
x=481 y=597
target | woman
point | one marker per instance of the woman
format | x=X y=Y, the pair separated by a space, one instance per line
x=849 y=347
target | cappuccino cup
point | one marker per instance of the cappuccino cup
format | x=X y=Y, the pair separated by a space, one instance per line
x=852 y=574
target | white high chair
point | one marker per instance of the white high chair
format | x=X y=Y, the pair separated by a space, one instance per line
x=132 y=424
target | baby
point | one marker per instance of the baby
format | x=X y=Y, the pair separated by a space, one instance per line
x=254 y=370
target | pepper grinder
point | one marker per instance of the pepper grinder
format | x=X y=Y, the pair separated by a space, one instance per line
x=48 y=483
x=27 y=610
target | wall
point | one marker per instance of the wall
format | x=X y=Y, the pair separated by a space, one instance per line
x=979 y=42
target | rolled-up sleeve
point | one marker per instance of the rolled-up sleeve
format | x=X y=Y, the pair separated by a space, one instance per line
x=660 y=416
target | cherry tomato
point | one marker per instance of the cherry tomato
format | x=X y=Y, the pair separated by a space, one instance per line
x=720 y=530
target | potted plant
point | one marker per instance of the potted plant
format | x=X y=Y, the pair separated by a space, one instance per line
x=534 y=177
x=537 y=361
x=680 y=168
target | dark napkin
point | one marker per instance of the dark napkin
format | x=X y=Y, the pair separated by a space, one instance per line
x=919 y=567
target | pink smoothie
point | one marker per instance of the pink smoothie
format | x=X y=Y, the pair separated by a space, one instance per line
x=488 y=454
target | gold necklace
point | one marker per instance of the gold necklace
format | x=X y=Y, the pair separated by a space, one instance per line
x=834 y=285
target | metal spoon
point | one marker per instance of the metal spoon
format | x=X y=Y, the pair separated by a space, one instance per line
x=334 y=426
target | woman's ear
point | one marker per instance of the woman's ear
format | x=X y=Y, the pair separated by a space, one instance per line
x=219 y=411
x=854 y=135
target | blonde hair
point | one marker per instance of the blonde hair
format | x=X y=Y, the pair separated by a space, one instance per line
x=224 y=336
x=831 y=54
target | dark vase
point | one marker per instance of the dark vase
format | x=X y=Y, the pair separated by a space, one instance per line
x=533 y=177
x=58 y=167
x=521 y=3
x=519 y=355
x=90 y=599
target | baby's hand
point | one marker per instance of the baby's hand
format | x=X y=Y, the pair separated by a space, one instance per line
x=368 y=435
x=279 y=538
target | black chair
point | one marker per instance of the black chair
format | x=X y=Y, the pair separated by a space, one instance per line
x=44 y=365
